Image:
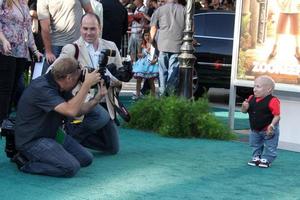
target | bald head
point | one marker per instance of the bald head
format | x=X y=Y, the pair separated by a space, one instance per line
x=266 y=81
x=90 y=28
x=263 y=86
x=88 y=16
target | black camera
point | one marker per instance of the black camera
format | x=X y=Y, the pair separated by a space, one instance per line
x=8 y=131
x=103 y=59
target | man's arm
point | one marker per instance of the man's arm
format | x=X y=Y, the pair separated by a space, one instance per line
x=72 y=108
x=153 y=31
x=86 y=107
x=68 y=51
x=45 y=30
x=87 y=8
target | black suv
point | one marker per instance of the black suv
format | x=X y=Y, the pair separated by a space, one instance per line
x=214 y=32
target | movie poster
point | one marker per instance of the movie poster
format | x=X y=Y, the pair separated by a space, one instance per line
x=269 y=41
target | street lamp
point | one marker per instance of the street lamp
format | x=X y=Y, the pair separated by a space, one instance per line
x=186 y=58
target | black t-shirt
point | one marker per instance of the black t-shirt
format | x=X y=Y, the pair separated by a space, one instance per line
x=115 y=21
x=32 y=4
x=150 y=11
x=36 y=117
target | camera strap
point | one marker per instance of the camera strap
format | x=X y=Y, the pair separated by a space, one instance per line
x=76 y=55
x=119 y=107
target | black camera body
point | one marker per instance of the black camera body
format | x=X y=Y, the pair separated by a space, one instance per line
x=8 y=131
x=103 y=59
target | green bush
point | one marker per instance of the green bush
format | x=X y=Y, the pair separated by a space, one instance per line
x=177 y=117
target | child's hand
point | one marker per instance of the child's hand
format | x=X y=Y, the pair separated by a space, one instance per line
x=270 y=130
x=140 y=55
x=154 y=61
x=245 y=104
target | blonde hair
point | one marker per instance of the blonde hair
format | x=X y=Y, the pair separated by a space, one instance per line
x=64 y=66
x=9 y=3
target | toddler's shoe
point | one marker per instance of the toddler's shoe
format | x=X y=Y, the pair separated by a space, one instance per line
x=264 y=163
x=254 y=162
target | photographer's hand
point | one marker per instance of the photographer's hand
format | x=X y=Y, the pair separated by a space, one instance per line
x=91 y=78
x=102 y=91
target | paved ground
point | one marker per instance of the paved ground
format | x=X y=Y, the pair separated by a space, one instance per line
x=217 y=96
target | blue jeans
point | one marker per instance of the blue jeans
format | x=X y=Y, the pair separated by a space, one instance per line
x=56 y=51
x=134 y=43
x=97 y=131
x=264 y=146
x=47 y=157
x=168 y=72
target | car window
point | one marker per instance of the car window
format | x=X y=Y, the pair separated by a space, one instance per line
x=214 y=24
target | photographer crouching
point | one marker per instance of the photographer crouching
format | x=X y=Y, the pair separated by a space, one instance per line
x=43 y=146
x=96 y=53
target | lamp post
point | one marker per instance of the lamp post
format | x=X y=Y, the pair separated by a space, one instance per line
x=186 y=57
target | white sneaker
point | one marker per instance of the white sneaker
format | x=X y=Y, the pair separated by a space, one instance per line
x=264 y=163
x=254 y=162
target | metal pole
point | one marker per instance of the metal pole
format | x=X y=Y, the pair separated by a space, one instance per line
x=186 y=58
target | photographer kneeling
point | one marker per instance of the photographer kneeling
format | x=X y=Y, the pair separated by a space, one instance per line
x=44 y=105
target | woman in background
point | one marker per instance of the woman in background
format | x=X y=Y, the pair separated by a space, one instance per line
x=15 y=41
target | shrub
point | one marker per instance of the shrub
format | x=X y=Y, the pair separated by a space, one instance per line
x=178 y=117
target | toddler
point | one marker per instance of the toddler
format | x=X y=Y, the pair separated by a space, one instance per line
x=264 y=114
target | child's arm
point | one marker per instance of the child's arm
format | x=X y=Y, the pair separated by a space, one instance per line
x=154 y=60
x=274 y=107
x=245 y=106
x=274 y=122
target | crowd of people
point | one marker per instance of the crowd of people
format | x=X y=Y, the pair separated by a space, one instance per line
x=71 y=105
x=61 y=112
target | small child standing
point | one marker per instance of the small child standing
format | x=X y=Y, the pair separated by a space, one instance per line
x=264 y=116
x=146 y=66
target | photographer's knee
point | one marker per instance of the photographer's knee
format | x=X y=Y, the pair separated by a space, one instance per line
x=71 y=169
x=87 y=161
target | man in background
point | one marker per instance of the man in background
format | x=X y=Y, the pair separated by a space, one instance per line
x=168 y=22
x=59 y=25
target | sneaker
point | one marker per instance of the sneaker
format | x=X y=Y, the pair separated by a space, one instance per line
x=254 y=162
x=264 y=163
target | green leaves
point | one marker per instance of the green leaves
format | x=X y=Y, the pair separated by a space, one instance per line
x=176 y=117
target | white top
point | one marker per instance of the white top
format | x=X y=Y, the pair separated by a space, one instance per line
x=137 y=27
x=93 y=54
x=289 y=6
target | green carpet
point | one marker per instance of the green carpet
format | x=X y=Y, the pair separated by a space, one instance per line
x=241 y=120
x=150 y=167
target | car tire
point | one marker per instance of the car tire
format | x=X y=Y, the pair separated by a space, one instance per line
x=198 y=89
